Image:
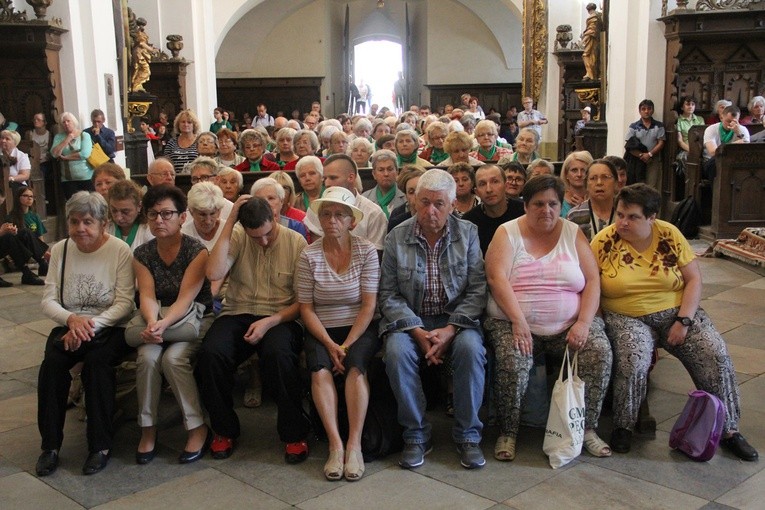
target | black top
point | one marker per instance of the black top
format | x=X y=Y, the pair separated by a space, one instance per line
x=487 y=226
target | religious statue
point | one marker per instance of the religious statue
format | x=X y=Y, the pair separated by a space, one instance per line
x=591 y=42
x=141 y=55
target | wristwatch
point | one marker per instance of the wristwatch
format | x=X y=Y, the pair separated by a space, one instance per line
x=685 y=321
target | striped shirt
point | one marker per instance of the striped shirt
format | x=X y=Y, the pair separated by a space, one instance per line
x=337 y=297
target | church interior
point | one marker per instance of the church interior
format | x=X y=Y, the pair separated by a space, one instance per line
x=67 y=56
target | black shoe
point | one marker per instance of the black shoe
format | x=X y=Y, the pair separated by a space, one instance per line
x=47 y=463
x=621 y=440
x=4 y=283
x=42 y=271
x=146 y=457
x=95 y=462
x=740 y=447
x=189 y=457
x=29 y=278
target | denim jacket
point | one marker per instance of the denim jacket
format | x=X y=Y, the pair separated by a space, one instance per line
x=402 y=286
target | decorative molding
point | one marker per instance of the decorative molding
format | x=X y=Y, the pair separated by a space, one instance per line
x=534 y=47
x=8 y=13
x=725 y=5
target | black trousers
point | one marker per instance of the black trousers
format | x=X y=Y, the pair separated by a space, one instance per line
x=224 y=349
x=98 y=381
x=12 y=247
x=71 y=187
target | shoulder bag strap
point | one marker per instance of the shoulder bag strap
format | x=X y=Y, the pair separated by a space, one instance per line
x=61 y=279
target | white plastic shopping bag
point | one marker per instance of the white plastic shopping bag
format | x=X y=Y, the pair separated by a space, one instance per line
x=565 y=423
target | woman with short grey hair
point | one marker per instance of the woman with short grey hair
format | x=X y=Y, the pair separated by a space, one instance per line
x=310 y=172
x=407 y=143
x=205 y=202
x=89 y=293
x=756 y=109
x=360 y=150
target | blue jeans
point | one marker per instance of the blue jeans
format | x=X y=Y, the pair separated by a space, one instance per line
x=402 y=364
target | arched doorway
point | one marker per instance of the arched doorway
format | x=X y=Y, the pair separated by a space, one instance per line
x=376 y=67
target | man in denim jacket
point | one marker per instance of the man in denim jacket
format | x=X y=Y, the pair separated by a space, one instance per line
x=432 y=295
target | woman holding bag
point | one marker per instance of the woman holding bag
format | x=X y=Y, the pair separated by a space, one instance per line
x=174 y=297
x=544 y=293
x=72 y=147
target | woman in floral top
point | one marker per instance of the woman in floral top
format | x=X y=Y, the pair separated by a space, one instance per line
x=650 y=292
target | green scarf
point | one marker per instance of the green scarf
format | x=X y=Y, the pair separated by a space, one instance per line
x=408 y=160
x=385 y=200
x=306 y=202
x=725 y=135
x=437 y=156
x=488 y=155
x=255 y=167
x=131 y=234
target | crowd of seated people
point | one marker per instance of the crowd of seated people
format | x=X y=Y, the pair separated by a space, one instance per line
x=199 y=282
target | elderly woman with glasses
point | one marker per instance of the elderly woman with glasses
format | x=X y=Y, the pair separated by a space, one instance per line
x=253 y=145
x=434 y=152
x=337 y=281
x=489 y=151
x=227 y=144
x=174 y=297
x=89 y=293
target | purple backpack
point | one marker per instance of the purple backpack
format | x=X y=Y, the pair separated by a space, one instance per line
x=698 y=429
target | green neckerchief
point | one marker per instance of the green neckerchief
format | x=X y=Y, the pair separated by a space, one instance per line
x=131 y=235
x=306 y=202
x=255 y=167
x=533 y=156
x=725 y=135
x=385 y=200
x=409 y=160
x=488 y=156
x=437 y=156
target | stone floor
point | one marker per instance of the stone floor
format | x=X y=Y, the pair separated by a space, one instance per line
x=651 y=476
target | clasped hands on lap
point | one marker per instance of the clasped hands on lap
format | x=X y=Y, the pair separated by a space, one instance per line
x=434 y=343
x=576 y=338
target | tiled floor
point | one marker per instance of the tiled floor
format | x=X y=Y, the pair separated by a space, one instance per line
x=651 y=476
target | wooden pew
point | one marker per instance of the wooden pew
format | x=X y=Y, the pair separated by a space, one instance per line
x=738 y=190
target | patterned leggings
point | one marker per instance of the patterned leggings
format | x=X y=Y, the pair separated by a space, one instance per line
x=703 y=353
x=512 y=370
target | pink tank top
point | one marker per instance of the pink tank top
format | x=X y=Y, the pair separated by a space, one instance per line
x=548 y=288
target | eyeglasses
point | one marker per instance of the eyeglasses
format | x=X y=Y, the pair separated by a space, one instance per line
x=166 y=215
x=516 y=180
x=250 y=147
x=163 y=174
x=597 y=178
x=201 y=178
x=338 y=216
x=27 y=196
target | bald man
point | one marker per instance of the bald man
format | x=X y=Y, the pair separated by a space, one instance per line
x=161 y=171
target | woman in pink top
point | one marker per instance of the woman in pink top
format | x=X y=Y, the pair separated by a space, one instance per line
x=545 y=291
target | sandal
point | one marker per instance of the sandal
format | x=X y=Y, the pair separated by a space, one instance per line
x=354 y=465
x=596 y=446
x=504 y=448
x=333 y=469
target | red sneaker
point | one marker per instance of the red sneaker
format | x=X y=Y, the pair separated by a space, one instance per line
x=296 y=452
x=221 y=447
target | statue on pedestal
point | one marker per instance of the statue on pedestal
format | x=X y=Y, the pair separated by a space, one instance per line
x=590 y=42
x=141 y=54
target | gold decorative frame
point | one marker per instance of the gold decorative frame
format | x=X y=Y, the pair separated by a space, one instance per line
x=534 y=47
